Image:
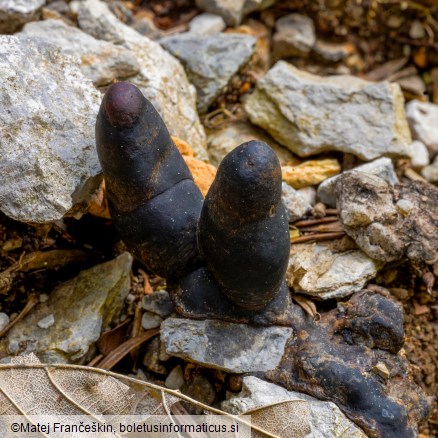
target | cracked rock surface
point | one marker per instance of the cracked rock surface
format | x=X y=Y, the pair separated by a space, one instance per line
x=389 y=223
x=48 y=158
x=310 y=114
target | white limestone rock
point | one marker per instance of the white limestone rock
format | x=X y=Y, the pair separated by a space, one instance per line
x=49 y=161
x=235 y=348
x=233 y=11
x=296 y=205
x=294 y=36
x=319 y=271
x=311 y=114
x=101 y=61
x=423 y=121
x=420 y=154
x=207 y=24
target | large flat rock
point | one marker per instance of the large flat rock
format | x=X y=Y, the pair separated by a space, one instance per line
x=47 y=148
x=236 y=348
x=64 y=328
x=311 y=114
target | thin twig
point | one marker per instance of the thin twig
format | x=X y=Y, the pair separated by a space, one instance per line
x=317 y=237
x=122 y=350
x=309 y=222
x=333 y=227
x=414 y=176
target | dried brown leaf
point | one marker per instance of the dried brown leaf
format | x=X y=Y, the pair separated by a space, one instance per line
x=30 y=388
x=122 y=350
x=111 y=339
x=307 y=305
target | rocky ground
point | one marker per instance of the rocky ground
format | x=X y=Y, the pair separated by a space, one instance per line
x=345 y=92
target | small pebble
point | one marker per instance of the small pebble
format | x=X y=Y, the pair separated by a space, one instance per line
x=46 y=322
x=158 y=303
x=149 y=320
x=319 y=210
x=175 y=379
x=399 y=292
x=417 y=30
x=308 y=194
x=130 y=298
x=43 y=298
x=404 y=206
x=235 y=382
x=4 y=320
x=381 y=370
x=13 y=347
x=420 y=155
x=207 y=24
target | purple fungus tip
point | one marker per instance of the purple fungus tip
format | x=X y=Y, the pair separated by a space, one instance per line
x=123 y=103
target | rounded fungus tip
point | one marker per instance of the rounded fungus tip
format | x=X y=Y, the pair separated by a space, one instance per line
x=123 y=104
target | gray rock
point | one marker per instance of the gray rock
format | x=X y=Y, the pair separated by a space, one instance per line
x=4 y=320
x=423 y=121
x=296 y=205
x=175 y=379
x=431 y=172
x=81 y=308
x=236 y=348
x=310 y=418
x=101 y=61
x=319 y=271
x=46 y=322
x=332 y=52
x=207 y=24
x=161 y=78
x=225 y=139
x=383 y=168
x=233 y=11
x=49 y=161
x=308 y=194
x=294 y=36
x=419 y=155
x=150 y=320
x=15 y=13
x=386 y=229
x=146 y=26
x=211 y=61
x=417 y=30
x=310 y=114
x=159 y=303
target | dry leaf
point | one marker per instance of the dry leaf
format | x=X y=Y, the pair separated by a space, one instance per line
x=307 y=305
x=34 y=390
x=285 y=419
